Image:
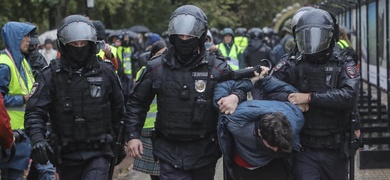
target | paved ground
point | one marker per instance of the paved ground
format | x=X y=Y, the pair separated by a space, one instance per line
x=366 y=174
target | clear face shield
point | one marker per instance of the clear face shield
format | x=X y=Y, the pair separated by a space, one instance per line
x=185 y=24
x=311 y=40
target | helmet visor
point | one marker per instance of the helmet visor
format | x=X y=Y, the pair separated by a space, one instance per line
x=311 y=40
x=77 y=31
x=185 y=24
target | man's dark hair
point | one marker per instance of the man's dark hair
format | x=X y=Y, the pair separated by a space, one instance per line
x=276 y=130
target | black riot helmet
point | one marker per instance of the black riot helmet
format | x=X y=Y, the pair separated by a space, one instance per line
x=298 y=14
x=316 y=32
x=255 y=33
x=188 y=20
x=241 y=31
x=75 y=28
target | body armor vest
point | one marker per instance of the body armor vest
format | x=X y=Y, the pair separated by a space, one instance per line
x=184 y=99
x=323 y=126
x=83 y=115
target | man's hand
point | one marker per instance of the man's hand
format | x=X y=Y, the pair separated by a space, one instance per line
x=134 y=148
x=303 y=107
x=228 y=104
x=357 y=133
x=259 y=76
x=25 y=98
x=299 y=98
x=39 y=152
x=107 y=50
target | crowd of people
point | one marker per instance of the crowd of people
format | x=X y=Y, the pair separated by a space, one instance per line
x=176 y=102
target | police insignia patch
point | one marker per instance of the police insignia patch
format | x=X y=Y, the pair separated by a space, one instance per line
x=200 y=85
x=279 y=65
x=34 y=89
x=351 y=71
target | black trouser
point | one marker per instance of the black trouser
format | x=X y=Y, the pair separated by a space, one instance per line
x=95 y=169
x=168 y=172
x=318 y=164
x=276 y=169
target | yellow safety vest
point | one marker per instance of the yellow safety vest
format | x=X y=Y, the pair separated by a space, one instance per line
x=101 y=52
x=233 y=63
x=241 y=42
x=124 y=54
x=152 y=113
x=17 y=86
x=233 y=51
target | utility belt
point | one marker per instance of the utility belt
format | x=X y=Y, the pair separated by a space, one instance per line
x=62 y=147
x=334 y=141
x=176 y=137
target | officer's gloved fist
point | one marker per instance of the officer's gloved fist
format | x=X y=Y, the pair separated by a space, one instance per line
x=39 y=152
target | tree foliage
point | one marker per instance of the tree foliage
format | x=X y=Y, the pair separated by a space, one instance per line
x=118 y=14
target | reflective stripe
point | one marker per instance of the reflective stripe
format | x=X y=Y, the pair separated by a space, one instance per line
x=343 y=44
x=19 y=108
x=233 y=63
x=151 y=115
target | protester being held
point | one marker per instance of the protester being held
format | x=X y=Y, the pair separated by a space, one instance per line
x=16 y=83
x=258 y=138
x=83 y=97
x=184 y=140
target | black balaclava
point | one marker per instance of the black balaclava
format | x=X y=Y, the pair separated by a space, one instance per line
x=78 y=56
x=320 y=57
x=186 y=49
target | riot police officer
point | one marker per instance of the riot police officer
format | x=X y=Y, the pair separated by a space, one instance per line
x=184 y=140
x=328 y=85
x=83 y=97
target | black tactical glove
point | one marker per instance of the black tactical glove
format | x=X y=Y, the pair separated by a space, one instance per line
x=39 y=152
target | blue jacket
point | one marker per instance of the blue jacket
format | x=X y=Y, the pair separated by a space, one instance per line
x=12 y=34
x=235 y=131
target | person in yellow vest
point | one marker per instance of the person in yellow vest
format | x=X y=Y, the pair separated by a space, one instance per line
x=241 y=40
x=344 y=45
x=106 y=51
x=229 y=49
x=147 y=164
x=16 y=83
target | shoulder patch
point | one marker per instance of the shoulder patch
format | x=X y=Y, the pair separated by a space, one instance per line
x=351 y=71
x=279 y=65
x=34 y=89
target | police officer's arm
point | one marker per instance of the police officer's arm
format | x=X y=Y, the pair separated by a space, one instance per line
x=38 y=106
x=225 y=88
x=138 y=105
x=344 y=97
x=116 y=100
x=5 y=78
